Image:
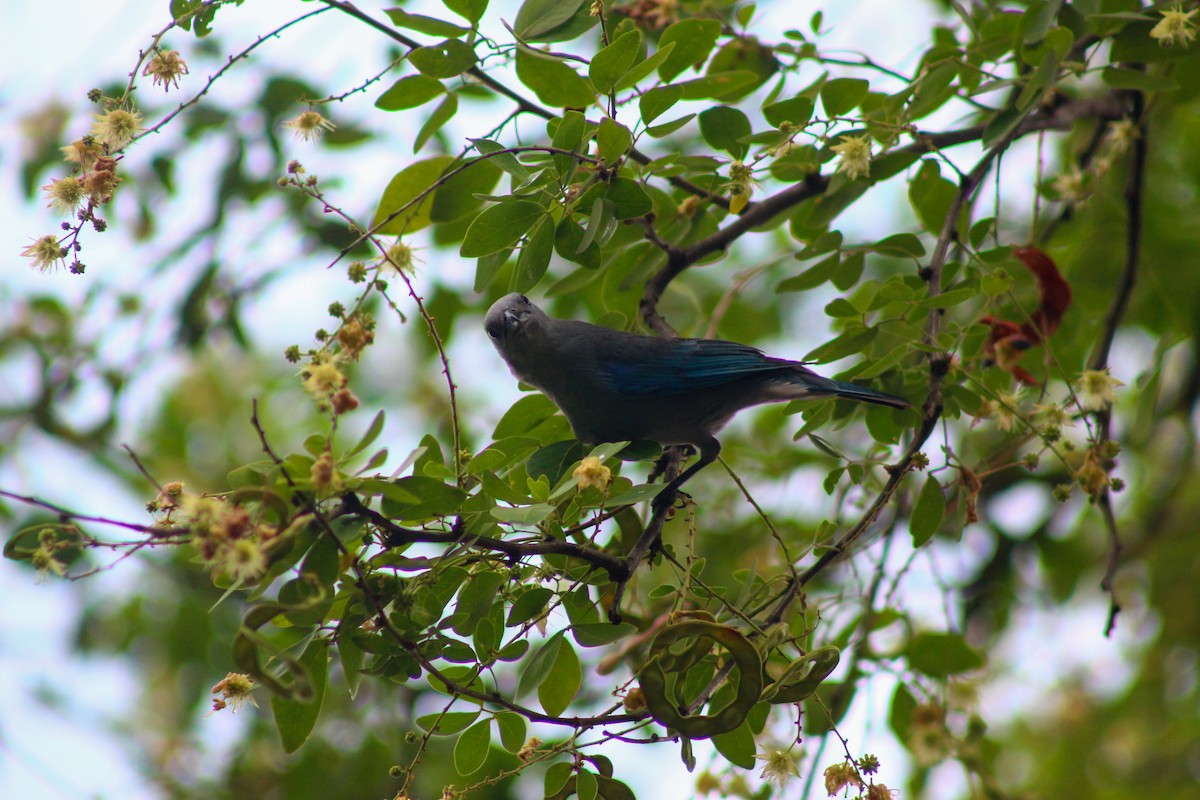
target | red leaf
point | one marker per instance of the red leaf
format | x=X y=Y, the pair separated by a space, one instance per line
x=1008 y=341
x=1056 y=294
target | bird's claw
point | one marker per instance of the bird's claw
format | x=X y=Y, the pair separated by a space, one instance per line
x=669 y=499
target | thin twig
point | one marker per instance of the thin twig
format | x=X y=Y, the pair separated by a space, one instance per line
x=225 y=68
x=74 y=516
x=1134 y=188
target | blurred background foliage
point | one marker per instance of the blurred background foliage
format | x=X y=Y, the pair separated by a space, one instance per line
x=215 y=268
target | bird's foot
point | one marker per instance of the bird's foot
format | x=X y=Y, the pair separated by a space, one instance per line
x=668 y=499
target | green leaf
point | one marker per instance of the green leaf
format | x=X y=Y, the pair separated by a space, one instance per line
x=1038 y=82
x=848 y=344
x=901 y=711
x=1000 y=124
x=996 y=282
x=455 y=198
x=658 y=101
x=557 y=776
x=431 y=498
x=586 y=785
x=553 y=82
x=613 y=61
x=370 y=435
x=900 y=244
x=737 y=746
x=446 y=724
x=488 y=267
x=594 y=634
x=693 y=39
x=528 y=605
x=402 y=192
x=613 y=140
x=524 y=515
x=535 y=256
x=667 y=128
x=643 y=68
x=446 y=59
x=628 y=198
x=440 y=116
x=949 y=298
x=927 y=512
x=840 y=195
x=842 y=95
x=812 y=277
x=716 y=85
x=612 y=789
x=724 y=128
x=599 y=223
x=889 y=164
x=881 y=365
x=1123 y=78
x=422 y=24
x=568 y=135
x=562 y=682
x=840 y=307
x=798 y=111
x=1038 y=19
x=471 y=749
x=500 y=226
x=409 y=92
x=538 y=19
x=512 y=730
x=295 y=719
x=744 y=54
x=538 y=666
x=931 y=196
x=471 y=10
x=940 y=655
x=475 y=600
x=567 y=238
x=504 y=160
x=933 y=90
x=524 y=415
x=849 y=271
x=636 y=494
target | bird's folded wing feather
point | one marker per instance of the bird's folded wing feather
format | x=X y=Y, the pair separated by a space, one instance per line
x=686 y=366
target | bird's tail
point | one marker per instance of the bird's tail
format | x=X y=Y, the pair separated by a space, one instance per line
x=853 y=391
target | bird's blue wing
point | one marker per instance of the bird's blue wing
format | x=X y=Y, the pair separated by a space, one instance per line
x=687 y=365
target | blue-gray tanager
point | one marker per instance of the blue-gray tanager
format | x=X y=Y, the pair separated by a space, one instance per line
x=615 y=386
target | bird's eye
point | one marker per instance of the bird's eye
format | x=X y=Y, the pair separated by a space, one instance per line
x=493 y=334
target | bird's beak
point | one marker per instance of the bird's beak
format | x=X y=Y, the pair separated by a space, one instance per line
x=512 y=320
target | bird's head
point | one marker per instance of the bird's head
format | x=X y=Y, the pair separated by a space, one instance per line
x=510 y=319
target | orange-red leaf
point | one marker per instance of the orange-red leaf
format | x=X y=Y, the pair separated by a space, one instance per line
x=1007 y=341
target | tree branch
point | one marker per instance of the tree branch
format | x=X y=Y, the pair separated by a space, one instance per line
x=1061 y=117
x=397 y=535
x=1134 y=190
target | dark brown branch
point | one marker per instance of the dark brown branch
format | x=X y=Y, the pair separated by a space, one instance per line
x=1061 y=117
x=650 y=539
x=397 y=535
